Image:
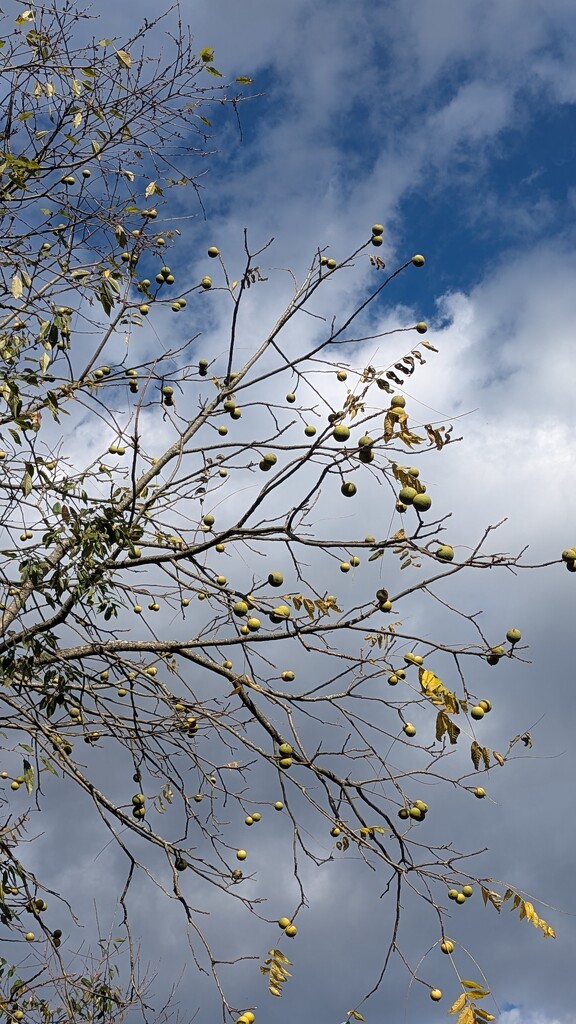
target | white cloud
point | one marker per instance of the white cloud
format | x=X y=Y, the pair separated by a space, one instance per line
x=521 y=1016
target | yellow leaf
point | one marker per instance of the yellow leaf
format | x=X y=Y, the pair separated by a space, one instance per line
x=77 y=119
x=24 y=17
x=428 y=680
x=483 y=1014
x=458 y=1004
x=124 y=58
x=355 y=1014
x=76 y=87
x=528 y=909
x=150 y=189
x=467 y=1016
x=469 y=984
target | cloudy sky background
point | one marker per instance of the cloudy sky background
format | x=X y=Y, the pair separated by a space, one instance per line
x=453 y=123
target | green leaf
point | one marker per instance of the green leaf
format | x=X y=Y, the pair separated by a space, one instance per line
x=16 y=286
x=213 y=71
x=244 y=80
x=27 y=481
x=124 y=58
x=48 y=765
x=28 y=776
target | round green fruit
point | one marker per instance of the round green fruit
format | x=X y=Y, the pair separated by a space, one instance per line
x=418 y=260
x=331 y=264
x=291 y=931
x=285 y=749
x=421 y=327
x=397 y=402
x=285 y=762
x=310 y=430
x=291 y=397
x=275 y=579
x=340 y=433
x=240 y=608
x=447 y=946
x=480 y=792
x=460 y=898
x=206 y=282
x=569 y=555
x=342 y=375
x=408 y=729
x=407 y=495
x=354 y=561
x=345 y=567
x=477 y=712
x=513 y=636
x=495 y=654
x=467 y=890
x=284 y=922
x=377 y=229
x=422 y=502
x=278 y=806
x=435 y=994
x=452 y=894
x=213 y=252
x=241 y=854
x=445 y=553
x=404 y=813
x=377 y=240
x=348 y=489
x=414 y=659
x=281 y=611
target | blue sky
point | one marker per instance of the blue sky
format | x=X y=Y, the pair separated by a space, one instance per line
x=453 y=122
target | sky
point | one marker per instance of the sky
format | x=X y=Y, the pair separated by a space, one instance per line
x=453 y=123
